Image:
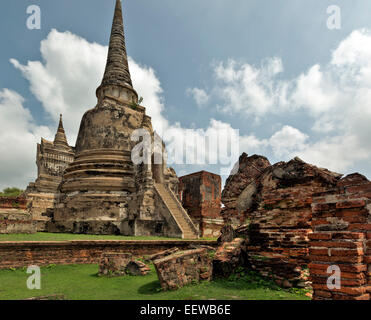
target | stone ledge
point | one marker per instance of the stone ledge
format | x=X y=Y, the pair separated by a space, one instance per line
x=17 y=254
x=4 y=244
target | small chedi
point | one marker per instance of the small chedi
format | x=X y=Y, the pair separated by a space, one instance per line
x=52 y=158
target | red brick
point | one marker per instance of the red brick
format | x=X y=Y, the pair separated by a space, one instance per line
x=347 y=235
x=352 y=291
x=365 y=296
x=351 y=213
x=343 y=282
x=320 y=236
x=360 y=226
x=346 y=252
x=337 y=244
x=321 y=293
x=336 y=259
x=350 y=204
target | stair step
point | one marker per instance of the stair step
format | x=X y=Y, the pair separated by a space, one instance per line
x=176 y=212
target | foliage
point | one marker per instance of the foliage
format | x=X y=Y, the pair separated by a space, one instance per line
x=11 y=192
x=255 y=280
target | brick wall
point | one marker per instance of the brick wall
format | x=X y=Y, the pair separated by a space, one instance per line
x=13 y=203
x=200 y=193
x=342 y=232
x=21 y=254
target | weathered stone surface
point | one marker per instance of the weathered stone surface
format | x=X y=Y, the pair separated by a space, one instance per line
x=114 y=264
x=162 y=254
x=184 y=267
x=137 y=268
x=246 y=171
x=14 y=217
x=228 y=233
x=229 y=256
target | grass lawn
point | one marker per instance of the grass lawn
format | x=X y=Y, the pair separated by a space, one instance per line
x=81 y=282
x=44 y=236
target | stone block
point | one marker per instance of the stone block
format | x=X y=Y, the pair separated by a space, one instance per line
x=183 y=268
x=114 y=264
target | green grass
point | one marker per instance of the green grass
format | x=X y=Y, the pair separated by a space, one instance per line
x=80 y=282
x=43 y=236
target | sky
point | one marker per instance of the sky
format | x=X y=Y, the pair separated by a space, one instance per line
x=271 y=69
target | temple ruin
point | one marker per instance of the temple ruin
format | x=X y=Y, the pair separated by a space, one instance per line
x=95 y=187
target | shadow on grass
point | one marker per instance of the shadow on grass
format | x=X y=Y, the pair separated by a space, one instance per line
x=150 y=288
x=95 y=275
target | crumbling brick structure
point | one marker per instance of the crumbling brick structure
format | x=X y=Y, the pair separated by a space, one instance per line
x=341 y=239
x=184 y=267
x=275 y=201
x=200 y=194
x=14 y=217
x=249 y=169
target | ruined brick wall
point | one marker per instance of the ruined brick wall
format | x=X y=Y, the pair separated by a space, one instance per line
x=280 y=214
x=276 y=206
x=39 y=206
x=200 y=193
x=21 y=254
x=246 y=170
x=341 y=237
x=14 y=217
x=183 y=268
x=13 y=203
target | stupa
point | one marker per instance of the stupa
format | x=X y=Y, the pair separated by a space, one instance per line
x=102 y=190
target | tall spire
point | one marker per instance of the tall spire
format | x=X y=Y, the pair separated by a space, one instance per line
x=60 y=137
x=117 y=68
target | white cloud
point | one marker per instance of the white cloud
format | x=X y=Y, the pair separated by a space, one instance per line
x=246 y=89
x=334 y=97
x=18 y=138
x=200 y=96
x=287 y=140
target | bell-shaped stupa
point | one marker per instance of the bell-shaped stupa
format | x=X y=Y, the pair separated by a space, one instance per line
x=103 y=191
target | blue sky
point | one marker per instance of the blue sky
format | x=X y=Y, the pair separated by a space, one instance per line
x=266 y=45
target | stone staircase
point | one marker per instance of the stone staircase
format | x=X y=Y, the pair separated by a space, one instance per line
x=177 y=211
